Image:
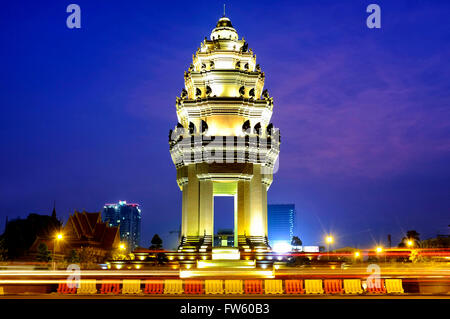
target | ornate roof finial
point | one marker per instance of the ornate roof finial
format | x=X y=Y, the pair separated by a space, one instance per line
x=224 y=9
x=54 y=210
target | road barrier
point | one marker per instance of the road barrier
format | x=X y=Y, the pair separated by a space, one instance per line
x=109 y=287
x=352 y=286
x=333 y=286
x=193 y=287
x=154 y=287
x=131 y=286
x=173 y=286
x=87 y=287
x=294 y=287
x=313 y=286
x=233 y=286
x=63 y=288
x=213 y=287
x=375 y=286
x=394 y=286
x=273 y=286
x=253 y=286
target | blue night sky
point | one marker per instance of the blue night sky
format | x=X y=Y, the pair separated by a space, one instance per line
x=364 y=114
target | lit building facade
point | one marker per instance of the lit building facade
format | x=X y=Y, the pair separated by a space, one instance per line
x=128 y=218
x=281 y=219
x=224 y=143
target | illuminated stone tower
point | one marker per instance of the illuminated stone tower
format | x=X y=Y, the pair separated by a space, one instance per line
x=224 y=143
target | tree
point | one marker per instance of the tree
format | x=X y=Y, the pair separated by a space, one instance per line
x=296 y=241
x=73 y=257
x=412 y=235
x=20 y=234
x=43 y=254
x=415 y=256
x=156 y=242
x=3 y=250
x=91 y=255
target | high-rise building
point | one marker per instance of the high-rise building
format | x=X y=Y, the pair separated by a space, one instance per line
x=128 y=218
x=281 y=219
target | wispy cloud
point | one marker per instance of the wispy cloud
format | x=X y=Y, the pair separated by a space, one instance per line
x=341 y=116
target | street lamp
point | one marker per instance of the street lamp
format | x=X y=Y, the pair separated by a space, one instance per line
x=379 y=250
x=410 y=243
x=357 y=254
x=58 y=237
x=329 y=241
x=122 y=247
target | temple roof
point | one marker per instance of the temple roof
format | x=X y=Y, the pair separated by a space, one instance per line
x=84 y=229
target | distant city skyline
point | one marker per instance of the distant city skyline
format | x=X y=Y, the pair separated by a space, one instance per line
x=364 y=114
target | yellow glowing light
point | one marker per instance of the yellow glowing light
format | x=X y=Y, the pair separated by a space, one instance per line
x=59 y=236
x=229 y=253
x=138 y=266
x=379 y=249
x=122 y=247
x=171 y=258
x=357 y=254
x=410 y=243
x=329 y=239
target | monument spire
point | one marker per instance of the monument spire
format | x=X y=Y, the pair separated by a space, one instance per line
x=224 y=143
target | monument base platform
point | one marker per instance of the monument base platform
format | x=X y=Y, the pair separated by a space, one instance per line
x=227 y=273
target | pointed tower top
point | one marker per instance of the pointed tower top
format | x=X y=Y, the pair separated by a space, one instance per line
x=224 y=9
x=54 y=210
x=224 y=30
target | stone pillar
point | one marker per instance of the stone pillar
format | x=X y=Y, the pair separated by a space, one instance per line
x=184 y=212
x=243 y=208
x=264 y=208
x=258 y=198
x=191 y=204
x=206 y=222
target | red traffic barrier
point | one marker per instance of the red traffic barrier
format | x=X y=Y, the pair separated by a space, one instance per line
x=375 y=286
x=333 y=286
x=154 y=287
x=110 y=288
x=63 y=288
x=253 y=287
x=193 y=287
x=294 y=287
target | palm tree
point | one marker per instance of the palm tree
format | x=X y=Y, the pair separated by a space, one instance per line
x=411 y=236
